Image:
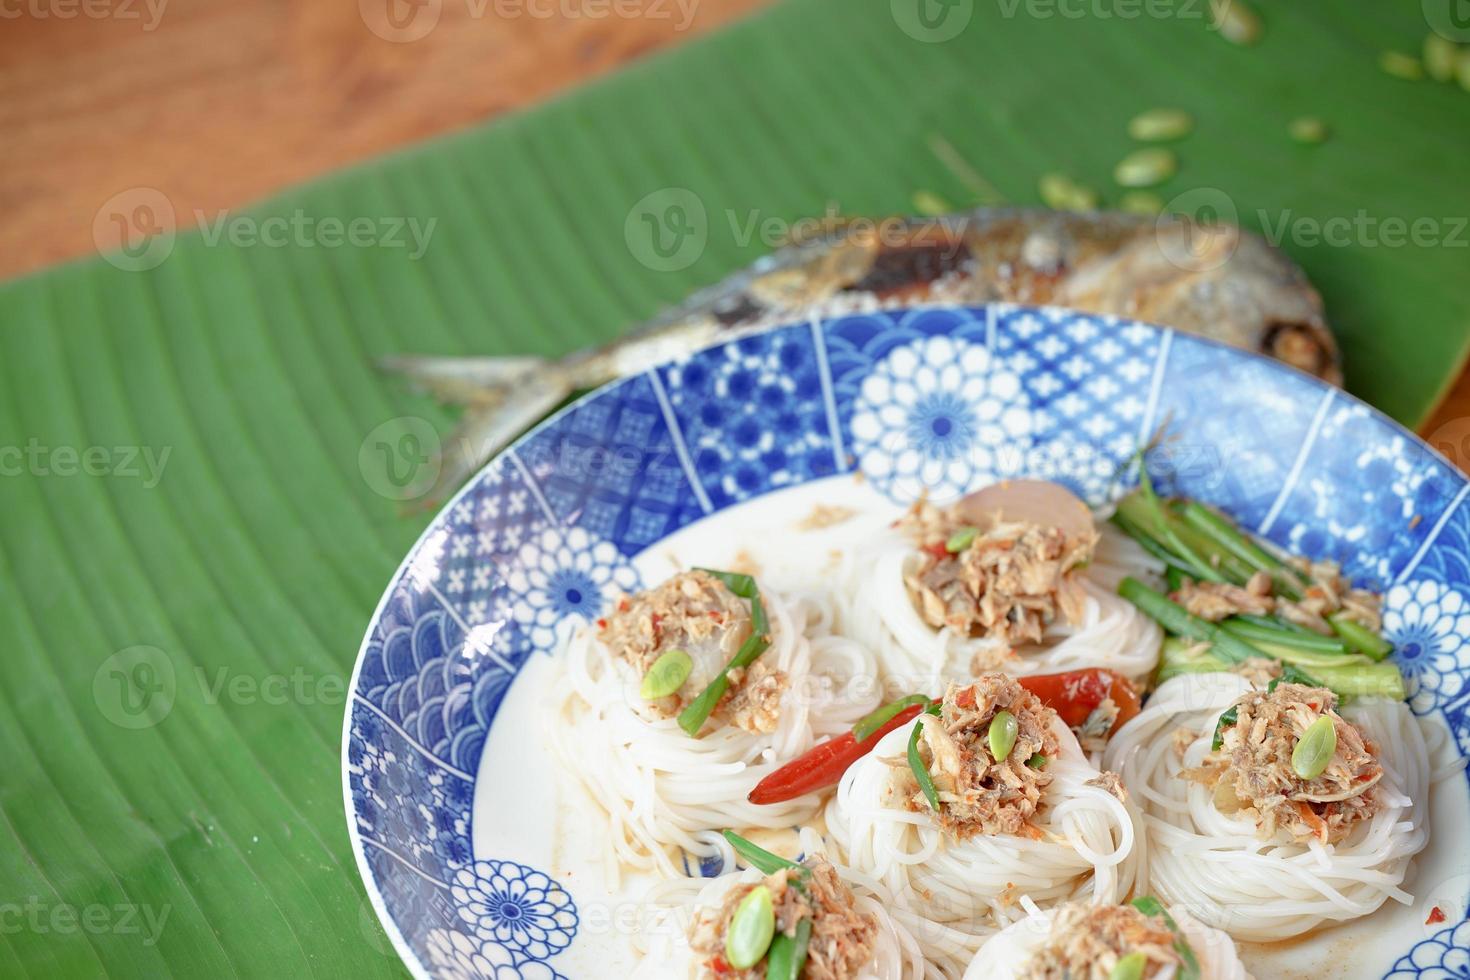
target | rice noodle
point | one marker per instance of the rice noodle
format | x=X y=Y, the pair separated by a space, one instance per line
x=1005 y=955
x=1113 y=633
x=663 y=790
x=663 y=938
x=973 y=908
x=954 y=894
x=1215 y=865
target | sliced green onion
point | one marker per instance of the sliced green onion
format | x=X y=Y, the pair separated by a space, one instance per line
x=666 y=676
x=1201 y=567
x=961 y=539
x=1151 y=907
x=788 y=953
x=1189 y=963
x=916 y=764
x=751 y=929
x=737 y=582
x=1206 y=665
x=1311 y=659
x=1037 y=761
x=1292 y=674
x=1184 y=650
x=1230 y=566
x=1199 y=554
x=1221 y=531
x=1142 y=516
x=1314 y=642
x=1274 y=623
x=1363 y=680
x=759 y=858
x=1348 y=677
x=1176 y=619
x=1314 y=752
x=1148 y=543
x=1227 y=720
x=1130 y=967
x=870 y=723
x=1002 y=735
x=1360 y=638
x=697 y=712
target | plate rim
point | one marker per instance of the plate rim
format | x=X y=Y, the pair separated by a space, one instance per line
x=400 y=945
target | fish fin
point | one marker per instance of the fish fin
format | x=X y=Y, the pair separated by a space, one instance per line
x=487 y=428
x=464 y=380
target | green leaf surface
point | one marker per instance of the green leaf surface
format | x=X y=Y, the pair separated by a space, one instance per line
x=261 y=550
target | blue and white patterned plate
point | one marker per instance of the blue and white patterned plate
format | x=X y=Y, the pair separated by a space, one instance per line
x=465 y=846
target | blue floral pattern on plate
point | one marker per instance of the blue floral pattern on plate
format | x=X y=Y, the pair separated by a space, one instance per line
x=515 y=906
x=935 y=400
x=1429 y=624
x=1368 y=494
x=563 y=576
x=1247 y=420
x=456 y=956
x=1092 y=381
x=1443 y=956
x=939 y=415
x=752 y=414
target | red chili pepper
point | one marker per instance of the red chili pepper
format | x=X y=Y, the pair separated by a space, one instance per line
x=1436 y=916
x=1073 y=695
x=823 y=765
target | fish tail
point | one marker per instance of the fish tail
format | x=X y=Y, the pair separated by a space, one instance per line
x=464 y=380
x=503 y=397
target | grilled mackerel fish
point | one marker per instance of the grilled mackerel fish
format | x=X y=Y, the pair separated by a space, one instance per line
x=1212 y=280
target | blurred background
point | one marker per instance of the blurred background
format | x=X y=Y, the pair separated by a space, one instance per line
x=215 y=106
x=220 y=215
x=218 y=104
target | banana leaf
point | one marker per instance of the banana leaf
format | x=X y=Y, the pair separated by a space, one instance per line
x=193 y=527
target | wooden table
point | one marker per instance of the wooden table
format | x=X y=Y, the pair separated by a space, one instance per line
x=218 y=103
